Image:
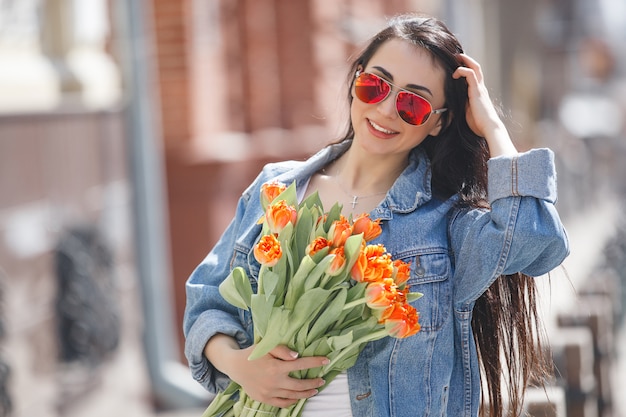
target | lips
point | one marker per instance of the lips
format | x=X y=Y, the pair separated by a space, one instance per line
x=379 y=130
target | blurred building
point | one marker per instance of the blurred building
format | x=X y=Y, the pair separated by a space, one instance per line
x=128 y=130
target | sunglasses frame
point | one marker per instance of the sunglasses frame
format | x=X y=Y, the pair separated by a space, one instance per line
x=399 y=89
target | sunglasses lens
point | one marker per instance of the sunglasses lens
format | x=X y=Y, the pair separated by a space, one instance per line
x=370 y=89
x=412 y=108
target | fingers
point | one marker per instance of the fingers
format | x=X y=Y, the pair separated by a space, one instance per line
x=286 y=390
x=469 y=61
x=292 y=363
x=268 y=379
x=284 y=353
x=283 y=397
x=286 y=398
x=470 y=68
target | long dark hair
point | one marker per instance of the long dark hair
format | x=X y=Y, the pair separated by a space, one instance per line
x=505 y=323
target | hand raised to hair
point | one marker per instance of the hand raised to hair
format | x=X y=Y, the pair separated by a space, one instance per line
x=481 y=115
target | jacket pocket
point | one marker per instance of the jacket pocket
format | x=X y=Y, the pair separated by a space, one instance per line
x=430 y=275
x=244 y=257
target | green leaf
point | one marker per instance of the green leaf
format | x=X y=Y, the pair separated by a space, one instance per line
x=222 y=401
x=351 y=250
x=333 y=214
x=341 y=341
x=302 y=233
x=329 y=315
x=308 y=304
x=348 y=360
x=356 y=291
x=285 y=323
x=296 y=285
x=289 y=195
x=276 y=334
x=362 y=328
x=412 y=296
x=299 y=342
x=318 y=347
x=285 y=235
x=236 y=288
x=320 y=254
x=261 y=307
x=269 y=280
x=331 y=282
x=312 y=200
x=313 y=280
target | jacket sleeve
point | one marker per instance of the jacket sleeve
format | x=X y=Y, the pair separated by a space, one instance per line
x=207 y=313
x=521 y=232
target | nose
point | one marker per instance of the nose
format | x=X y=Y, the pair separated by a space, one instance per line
x=387 y=107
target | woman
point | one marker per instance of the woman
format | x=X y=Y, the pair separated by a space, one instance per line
x=427 y=153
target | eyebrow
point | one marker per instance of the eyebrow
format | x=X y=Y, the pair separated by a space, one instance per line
x=411 y=86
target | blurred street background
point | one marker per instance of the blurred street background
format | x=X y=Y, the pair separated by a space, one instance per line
x=128 y=130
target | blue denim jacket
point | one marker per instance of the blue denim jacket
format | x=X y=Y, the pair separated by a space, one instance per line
x=455 y=254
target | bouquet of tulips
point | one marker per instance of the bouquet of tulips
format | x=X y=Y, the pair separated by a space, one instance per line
x=323 y=290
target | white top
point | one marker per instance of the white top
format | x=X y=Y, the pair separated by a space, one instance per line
x=333 y=401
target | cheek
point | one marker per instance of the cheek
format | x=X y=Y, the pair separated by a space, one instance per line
x=356 y=111
x=418 y=133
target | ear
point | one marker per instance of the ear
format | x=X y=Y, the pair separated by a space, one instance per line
x=436 y=130
x=439 y=126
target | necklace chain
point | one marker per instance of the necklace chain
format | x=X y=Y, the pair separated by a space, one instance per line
x=355 y=197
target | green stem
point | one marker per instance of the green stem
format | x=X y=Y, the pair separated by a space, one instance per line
x=222 y=401
x=297 y=410
x=367 y=338
x=260 y=286
x=354 y=303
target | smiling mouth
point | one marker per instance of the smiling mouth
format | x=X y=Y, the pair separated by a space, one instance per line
x=380 y=128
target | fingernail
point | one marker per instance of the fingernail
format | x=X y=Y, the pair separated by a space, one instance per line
x=325 y=362
x=322 y=383
x=293 y=354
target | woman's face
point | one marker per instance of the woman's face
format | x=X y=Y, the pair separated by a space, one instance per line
x=378 y=127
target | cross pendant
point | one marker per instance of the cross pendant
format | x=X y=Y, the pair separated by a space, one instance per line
x=354 y=200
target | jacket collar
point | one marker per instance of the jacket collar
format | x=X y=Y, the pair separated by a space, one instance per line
x=411 y=189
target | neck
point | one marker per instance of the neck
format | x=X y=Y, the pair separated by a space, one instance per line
x=363 y=176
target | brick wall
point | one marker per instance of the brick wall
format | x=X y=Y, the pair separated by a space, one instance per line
x=242 y=83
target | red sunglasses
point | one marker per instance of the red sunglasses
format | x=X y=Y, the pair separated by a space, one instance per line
x=412 y=108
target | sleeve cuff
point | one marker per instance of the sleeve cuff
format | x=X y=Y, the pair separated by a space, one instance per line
x=201 y=369
x=531 y=174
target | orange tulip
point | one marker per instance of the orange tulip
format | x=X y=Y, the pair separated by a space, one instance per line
x=321 y=219
x=339 y=232
x=375 y=251
x=338 y=262
x=358 y=269
x=271 y=190
x=378 y=268
x=381 y=294
x=402 y=320
x=403 y=271
x=370 y=228
x=398 y=302
x=373 y=264
x=318 y=244
x=268 y=251
x=279 y=214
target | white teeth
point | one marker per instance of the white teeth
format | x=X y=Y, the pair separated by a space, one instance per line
x=381 y=129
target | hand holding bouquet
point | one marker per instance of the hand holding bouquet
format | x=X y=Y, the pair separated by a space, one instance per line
x=323 y=290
